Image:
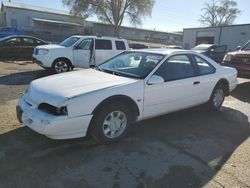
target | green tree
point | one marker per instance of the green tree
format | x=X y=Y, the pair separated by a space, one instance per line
x=112 y=11
x=219 y=12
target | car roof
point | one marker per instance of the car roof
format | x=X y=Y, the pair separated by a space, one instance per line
x=12 y=36
x=98 y=37
x=162 y=51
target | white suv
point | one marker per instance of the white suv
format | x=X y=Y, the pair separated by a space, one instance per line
x=78 y=51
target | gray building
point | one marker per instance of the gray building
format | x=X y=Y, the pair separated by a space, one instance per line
x=52 y=24
x=55 y=25
x=136 y=34
x=232 y=36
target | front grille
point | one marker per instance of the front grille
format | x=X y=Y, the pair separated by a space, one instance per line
x=241 y=59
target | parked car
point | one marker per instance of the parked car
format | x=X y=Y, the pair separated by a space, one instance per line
x=78 y=51
x=18 y=47
x=239 y=59
x=132 y=86
x=215 y=52
x=137 y=46
x=8 y=31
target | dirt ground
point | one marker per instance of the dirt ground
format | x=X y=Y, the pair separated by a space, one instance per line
x=191 y=148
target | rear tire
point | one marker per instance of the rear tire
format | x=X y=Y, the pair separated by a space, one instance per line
x=61 y=65
x=217 y=97
x=110 y=123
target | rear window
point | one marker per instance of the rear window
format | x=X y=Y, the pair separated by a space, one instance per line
x=101 y=44
x=203 y=66
x=120 y=45
x=28 y=41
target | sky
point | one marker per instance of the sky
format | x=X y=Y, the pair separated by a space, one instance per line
x=167 y=15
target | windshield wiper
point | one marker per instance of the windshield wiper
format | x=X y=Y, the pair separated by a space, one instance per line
x=108 y=71
x=118 y=73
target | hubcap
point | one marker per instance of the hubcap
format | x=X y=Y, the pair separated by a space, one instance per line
x=218 y=97
x=61 y=66
x=114 y=124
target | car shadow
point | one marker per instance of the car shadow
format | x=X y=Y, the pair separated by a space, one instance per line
x=183 y=149
x=23 y=78
x=242 y=92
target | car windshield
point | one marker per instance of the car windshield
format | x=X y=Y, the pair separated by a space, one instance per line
x=69 y=41
x=247 y=46
x=132 y=64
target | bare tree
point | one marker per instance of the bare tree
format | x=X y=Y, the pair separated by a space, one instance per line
x=112 y=11
x=219 y=12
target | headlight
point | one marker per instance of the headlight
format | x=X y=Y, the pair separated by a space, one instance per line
x=58 y=111
x=43 y=51
x=227 y=57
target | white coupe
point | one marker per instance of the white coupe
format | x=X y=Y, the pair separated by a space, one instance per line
x=133 y=86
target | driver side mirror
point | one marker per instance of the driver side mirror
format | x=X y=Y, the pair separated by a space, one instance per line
x=238 y=47
x=155 y=80
x=77 y=47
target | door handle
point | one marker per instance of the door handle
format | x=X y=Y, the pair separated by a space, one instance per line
x=196 y=82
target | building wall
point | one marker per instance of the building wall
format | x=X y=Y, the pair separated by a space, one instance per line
x=1 y=19
x=24 y=17
x=190 y=36
x=136 y=34
x=232 y=36
x=235 y=36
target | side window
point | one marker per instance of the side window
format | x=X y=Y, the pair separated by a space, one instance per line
x=28 y=41
x=84 y=44
x=120 y=45
x=101 y=44
x=203 y=66
x=176 y=67
x=14 y=41
x=220 y=49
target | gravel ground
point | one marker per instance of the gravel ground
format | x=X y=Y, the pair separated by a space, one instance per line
x=191 y=148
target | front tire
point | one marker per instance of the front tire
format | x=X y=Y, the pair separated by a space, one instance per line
x=110 y=123
x=60 y=66
x=217 y=97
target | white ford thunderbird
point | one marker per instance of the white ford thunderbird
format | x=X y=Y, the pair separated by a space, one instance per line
x=130 y=87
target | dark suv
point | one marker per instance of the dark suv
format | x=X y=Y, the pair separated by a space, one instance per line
x=213 y=51
x=239 y=59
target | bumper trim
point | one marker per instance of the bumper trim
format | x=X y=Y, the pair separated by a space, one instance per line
x=34 y=60
x=19 y=113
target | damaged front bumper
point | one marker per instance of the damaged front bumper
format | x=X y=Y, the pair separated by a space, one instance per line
x=52 y=126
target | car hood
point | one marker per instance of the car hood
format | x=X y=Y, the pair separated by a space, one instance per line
x=50 y=46
x=58 y=89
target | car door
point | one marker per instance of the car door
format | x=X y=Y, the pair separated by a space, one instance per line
x=206 y=78
x=28 y=45
x=103 y=50
x=82 y=53
x=217 y=53
x=178 y=91
x=10 y=48
x=4 y=49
